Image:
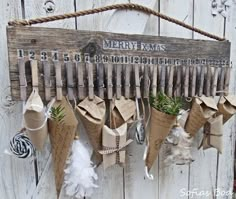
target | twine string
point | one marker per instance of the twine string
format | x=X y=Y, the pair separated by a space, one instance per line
x=126 y=6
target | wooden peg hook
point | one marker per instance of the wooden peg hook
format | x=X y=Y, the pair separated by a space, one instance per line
x=89 y=67
x=34 y=73
x=58 y=80
x=23 y=82
x=137 y=81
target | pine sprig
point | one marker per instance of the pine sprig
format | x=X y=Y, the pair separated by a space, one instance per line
x=57 y=113
x=165 y=104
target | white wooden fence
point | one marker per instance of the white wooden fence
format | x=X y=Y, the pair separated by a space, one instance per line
x=209 y=171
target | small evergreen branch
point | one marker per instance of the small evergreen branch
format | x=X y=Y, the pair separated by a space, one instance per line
x=57 y=113
x=165 y=104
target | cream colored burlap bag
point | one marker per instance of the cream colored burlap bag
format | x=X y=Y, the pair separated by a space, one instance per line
x=213 y=133
x=35 y=120
x=123 y=110
x=92 y=114
x=114 y=142
x=202 y=109
x=227 y=107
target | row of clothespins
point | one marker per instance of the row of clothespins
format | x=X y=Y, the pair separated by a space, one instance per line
x=79 y=80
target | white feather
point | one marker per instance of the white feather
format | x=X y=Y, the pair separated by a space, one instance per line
x=178 y=150
x=79 y=174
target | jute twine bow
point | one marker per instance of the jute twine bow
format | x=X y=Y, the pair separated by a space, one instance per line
x=110 y=150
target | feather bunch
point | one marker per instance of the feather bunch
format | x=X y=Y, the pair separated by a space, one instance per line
x=178 y=150
x=79 y=174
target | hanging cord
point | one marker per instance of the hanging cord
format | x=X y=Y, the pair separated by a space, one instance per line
x=128 y=6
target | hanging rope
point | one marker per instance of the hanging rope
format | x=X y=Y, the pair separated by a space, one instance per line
x=128 y=6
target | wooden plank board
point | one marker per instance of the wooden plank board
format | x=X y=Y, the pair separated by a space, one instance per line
x=39 y=9
x=205 y=161
x=17 y=176
x=107 y=48
x=174 y=178
x=134 y=177
x=227 y=158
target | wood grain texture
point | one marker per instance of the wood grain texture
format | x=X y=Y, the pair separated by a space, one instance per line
x=205 y=161
x=17 y=176
x=226 y=159
x=174 y=177
x=37 y=9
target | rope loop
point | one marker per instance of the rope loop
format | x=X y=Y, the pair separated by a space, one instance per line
x=128 y=6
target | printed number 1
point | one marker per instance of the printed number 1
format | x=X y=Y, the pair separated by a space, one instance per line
x=20 y=53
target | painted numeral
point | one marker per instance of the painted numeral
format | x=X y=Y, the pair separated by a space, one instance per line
x=31 y=54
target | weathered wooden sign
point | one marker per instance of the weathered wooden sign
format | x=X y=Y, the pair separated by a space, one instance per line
x=85 y=63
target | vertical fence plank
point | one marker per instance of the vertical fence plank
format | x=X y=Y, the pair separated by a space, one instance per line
x=205 y=161
x=173 y=179
x=39 y=9
x=225 y=175
x=17 y=177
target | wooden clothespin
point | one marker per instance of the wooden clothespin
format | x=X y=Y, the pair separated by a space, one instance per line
x=154 y=81
x=193 y=74
x=47 y=80
x=227 y=79
x=163 y=78
x=146 y=82
x=201 y=80
x=170 y=81
x=109 y=81
x=34 y=74
x=22 y=78
x=70 y=80
x=118 y=81
x=80 y=76
x=100 y=69
x=89 y=67
x=208 y=81
x=222 y=80
x=127 y=81
x=186 y=81
x=137 y=81
x=59 y=84
x=214 y=81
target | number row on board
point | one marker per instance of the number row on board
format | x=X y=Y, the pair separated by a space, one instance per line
x=116 y=59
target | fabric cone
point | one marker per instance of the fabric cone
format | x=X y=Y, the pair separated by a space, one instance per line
x=160 y=126
x=35 y=120
x=227 y=107
x=123 y=110
x=202 y=109
x=213 y=134
x=62 y=134
x=92 y=114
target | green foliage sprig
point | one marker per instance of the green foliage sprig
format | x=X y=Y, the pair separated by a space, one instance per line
x=165 y=104
x=57 y=113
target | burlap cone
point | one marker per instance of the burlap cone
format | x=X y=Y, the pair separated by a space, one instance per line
x=61 y=136
x=202 y=109
x=227 y=107
x=123 y=110
x=160 y=126
x=213 y=134
x=92 y=114
x=35 y=120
